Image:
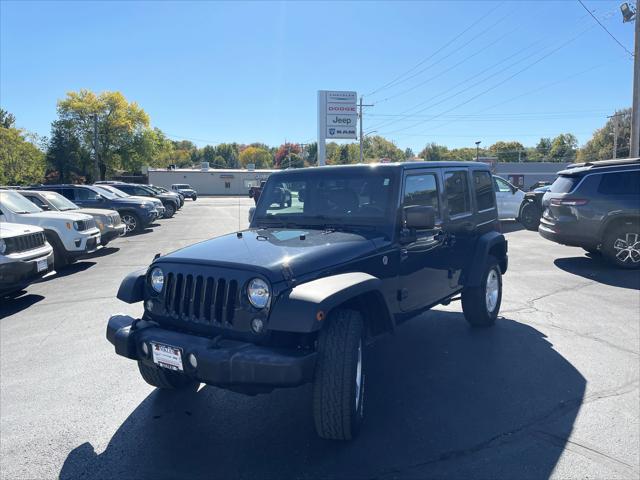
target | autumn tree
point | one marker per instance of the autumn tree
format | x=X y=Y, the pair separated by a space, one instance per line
x=260 y=157
x=118 y=122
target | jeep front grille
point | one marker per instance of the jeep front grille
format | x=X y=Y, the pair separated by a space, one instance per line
x=23 y=243
x=202 y=299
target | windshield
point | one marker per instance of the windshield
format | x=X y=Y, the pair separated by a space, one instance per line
x=16 y=203
x=328 y=198
x=183 y=187
x=59 y=202
x=113 y=191
x=102 y=192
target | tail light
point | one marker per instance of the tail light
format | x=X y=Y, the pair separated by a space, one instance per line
x=568 y=202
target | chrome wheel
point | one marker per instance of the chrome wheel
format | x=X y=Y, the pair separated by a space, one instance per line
x=492 y=290
x=130 y=223
x=359 y=379
x=627 y=248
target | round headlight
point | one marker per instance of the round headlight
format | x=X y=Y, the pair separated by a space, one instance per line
x=3 y=246
x=76 y=226
x=157 y=279
x=258 y=293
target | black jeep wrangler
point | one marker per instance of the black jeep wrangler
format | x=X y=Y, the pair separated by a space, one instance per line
x=296 y=297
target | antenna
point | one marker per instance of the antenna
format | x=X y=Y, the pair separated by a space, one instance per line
x=239 y=214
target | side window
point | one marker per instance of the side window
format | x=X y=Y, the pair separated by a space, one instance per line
x=421 y=190
x=483 y=190
x=620 y=183
x=67 y=193
x=501 y=185
x=141 y=192
x=456 y=188
x=85 y=194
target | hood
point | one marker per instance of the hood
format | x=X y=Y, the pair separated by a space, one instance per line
x=97 y=211
x=132 y=201
x=268 y=251
x=67 y=216
x=186 y=190
x=139 y=199
x=14 y=229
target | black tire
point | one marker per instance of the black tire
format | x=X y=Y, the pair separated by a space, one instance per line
x=165 y=379
x=530 y=216
x=338 y=399
x=621 y=245
x=476 y=307
x=132 y=222
x=169 y=210
x=194 y=198
x=60 y=258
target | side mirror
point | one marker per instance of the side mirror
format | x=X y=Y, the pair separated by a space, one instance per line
x=420 y=217
x=252 y=210
x=45 y=207
x=514 y=189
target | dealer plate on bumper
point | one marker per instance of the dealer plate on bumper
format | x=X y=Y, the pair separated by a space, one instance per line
x=42 y=264
x=167 y=356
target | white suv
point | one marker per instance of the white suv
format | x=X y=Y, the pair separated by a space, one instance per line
x=72 y=235
x=25 y=255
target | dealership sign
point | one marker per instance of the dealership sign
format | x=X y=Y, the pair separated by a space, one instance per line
x=339 y=114
x=337 y=118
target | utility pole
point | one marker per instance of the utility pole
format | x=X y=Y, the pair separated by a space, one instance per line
x=361 y=132
x=628 y=15
x=478 y=150
x=95 y=147
x=614 y=118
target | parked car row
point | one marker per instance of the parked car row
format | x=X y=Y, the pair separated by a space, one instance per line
x=46 y=227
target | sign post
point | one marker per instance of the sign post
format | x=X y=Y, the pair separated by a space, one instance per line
x=337 y=118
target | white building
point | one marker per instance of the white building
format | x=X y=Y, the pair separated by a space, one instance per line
x=210 y=181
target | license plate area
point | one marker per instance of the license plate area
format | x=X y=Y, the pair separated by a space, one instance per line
x=166 y=356
x=41 y=265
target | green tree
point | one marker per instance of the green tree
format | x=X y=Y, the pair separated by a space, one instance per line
x=283 y=151
x=563 y=148
x=377 y=147
x=118 y=122
x=230 y=152
x=21 y=162
x=508 y=151
x=408 y=154
x=219 y=162
x=260 y=157
x=600 y=146
x=66 y=158
x=434 y=152
x=7 y=120
x=294 y=160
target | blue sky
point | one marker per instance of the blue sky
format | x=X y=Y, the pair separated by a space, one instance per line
x=220 y=72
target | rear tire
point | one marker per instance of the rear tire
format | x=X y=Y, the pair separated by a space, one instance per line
x=530 y=217
x=165 y=379
x=481 y=304
x=338 y=388
x=194 y=198
x=621 y=246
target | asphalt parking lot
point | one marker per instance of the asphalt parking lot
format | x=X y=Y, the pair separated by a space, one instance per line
x=552 y=390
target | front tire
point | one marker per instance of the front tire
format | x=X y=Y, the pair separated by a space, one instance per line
x=131 y=222
x=338 y=388
x=481 y=304
x=165 y=379
x=194 y=198
x=530 y=217
x=169 y=210
x=621 y=245
x=60 y=258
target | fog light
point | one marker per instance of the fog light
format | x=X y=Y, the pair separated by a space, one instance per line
x=145 y=348
x=257 y=325
x=193 y=361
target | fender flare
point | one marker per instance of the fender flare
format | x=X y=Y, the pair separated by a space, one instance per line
x=483 y=246
x=297 y=309
x=132 y=287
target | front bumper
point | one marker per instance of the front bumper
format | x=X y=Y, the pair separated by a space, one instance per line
x=111 y=233
x=15 y=275
x=221 y=361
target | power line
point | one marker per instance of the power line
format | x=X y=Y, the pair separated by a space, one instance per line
x=422 y=62
x=604 y=28
x=522 y=70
